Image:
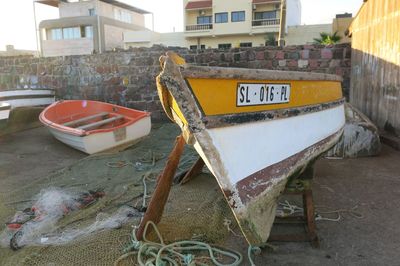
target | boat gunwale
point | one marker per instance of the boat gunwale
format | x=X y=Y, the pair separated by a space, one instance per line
x=5 y=106
x=191 y=71
x=81 y=132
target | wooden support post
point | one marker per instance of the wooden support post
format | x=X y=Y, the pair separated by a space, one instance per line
x=308 y=206
x=193 y=171
x=163 y=187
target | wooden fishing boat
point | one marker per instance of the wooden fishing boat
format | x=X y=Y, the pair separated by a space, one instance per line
x=27 y=97
x=92 y=126
x=4 y=110
x=254 y=129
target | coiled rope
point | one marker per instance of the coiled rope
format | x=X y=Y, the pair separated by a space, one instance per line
x=149 y=253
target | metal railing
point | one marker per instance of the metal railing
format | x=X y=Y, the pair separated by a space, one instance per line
x=266 y=22
x=199 y=27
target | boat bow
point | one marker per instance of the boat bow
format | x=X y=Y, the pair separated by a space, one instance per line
x=254 y=129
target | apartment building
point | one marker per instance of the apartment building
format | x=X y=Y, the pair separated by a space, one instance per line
x=240 y=23
x=88 y=26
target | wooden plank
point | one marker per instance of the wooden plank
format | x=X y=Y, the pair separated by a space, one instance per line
x=194 y=171
x=100 y=123
x=84 y=119
x=163 y=187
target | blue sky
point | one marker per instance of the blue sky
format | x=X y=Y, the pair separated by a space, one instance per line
x=168 y=16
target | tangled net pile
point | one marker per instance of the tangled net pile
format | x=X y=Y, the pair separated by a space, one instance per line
x=196 y=210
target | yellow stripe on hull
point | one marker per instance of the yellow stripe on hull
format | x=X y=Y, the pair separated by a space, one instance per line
x=218 y=96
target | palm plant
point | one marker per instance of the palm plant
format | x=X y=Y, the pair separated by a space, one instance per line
x=326 y=38
x=270 y=40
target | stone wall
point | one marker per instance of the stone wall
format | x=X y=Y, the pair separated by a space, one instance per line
x=128 y=77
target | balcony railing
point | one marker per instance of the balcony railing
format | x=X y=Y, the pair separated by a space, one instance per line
x=197 y=27
x=266 y=22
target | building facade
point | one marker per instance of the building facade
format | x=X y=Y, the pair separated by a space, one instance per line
x=239 y=23
x=341 y=24
x=88 y=26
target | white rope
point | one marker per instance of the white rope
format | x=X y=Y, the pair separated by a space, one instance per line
x=286 y=209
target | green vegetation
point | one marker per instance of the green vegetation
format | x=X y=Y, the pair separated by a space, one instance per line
x=270 y=40
x=327 y=39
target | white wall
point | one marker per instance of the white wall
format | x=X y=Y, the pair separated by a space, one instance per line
x=148 y=38
x=67 y=47
x=293 y=13
x=76 y=9
x=305 y=34
x=114 y=37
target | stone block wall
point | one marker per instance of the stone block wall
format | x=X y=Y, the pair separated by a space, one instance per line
x=128 y=77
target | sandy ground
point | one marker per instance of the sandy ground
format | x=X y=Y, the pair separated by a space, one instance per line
x=371 y=184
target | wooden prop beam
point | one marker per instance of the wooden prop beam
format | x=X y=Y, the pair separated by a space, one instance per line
x=163 y=187
x=194 y=171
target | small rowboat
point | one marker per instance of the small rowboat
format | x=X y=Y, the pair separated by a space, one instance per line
x=4 y=110
x=92 y=126
x=254 y=129
x=27 y=97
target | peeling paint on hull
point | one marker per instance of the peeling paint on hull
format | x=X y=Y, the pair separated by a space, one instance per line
x=252 y=154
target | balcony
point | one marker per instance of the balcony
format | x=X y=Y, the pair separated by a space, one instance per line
x=199 y=27
x=265 y=22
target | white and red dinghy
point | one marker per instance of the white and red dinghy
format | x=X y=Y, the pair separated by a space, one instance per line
x=92 y=126
x=4 y=110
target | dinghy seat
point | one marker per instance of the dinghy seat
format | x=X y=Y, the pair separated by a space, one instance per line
x=76 y=122
x=101 y=123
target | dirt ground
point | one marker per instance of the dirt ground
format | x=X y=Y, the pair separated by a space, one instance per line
x=370 y=185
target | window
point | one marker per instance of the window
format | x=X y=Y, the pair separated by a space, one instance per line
x=54 y=34
x=246 y=44
x=71 y=33
x=122 y=15
x=87 y=31
x=238 y=16
x=195 y=47
x=92 y=12
x=221 y=17
x=265 y=15
x=204 y=20
x=224 y=46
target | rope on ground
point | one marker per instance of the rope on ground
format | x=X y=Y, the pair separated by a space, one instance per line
x=177 y=253
x=250 y=251
x=339 y=212
x=119 y=164
x=287 y=209
x=146 y=176
x=227 y=224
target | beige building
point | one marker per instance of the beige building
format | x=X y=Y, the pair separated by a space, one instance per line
x=239 y=23
x=305 y=34
x=341 y=25
x=224 y=24
x=88 y=26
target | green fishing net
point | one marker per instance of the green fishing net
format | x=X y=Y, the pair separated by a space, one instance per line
x=196 y=210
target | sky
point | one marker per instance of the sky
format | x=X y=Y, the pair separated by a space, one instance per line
x=17 y=26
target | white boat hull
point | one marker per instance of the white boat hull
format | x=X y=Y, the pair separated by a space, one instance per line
x=24 y=97
x=261 y=144
x=276 y=148
x=103 y=141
